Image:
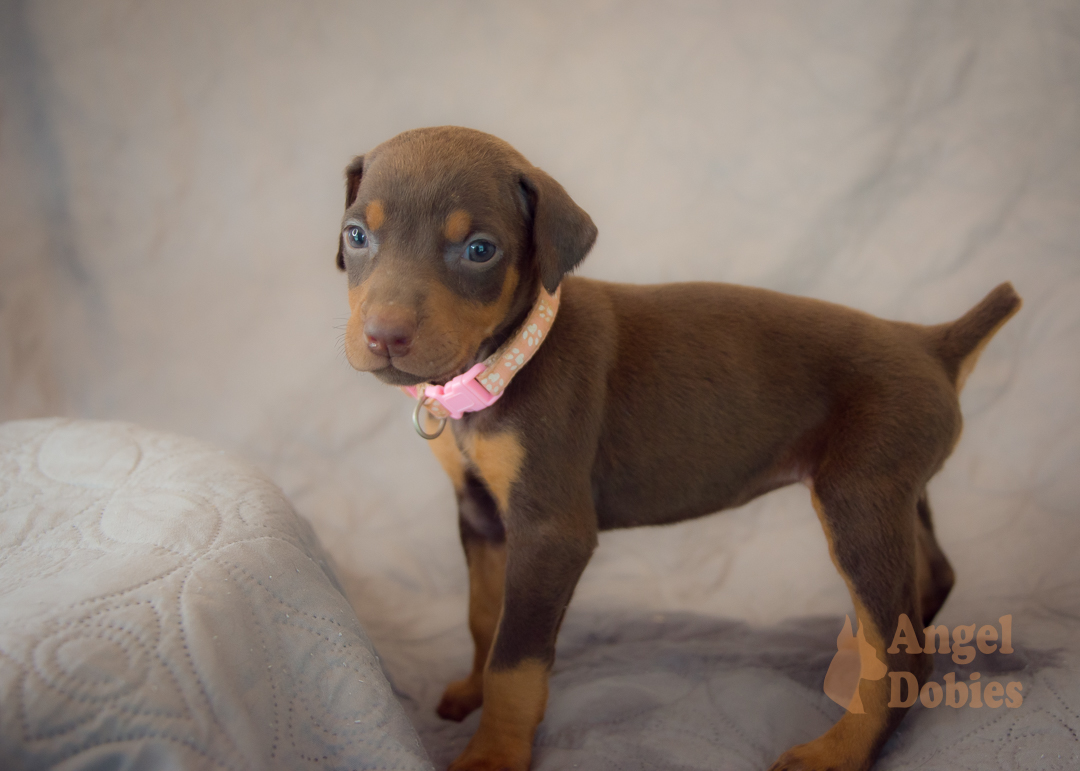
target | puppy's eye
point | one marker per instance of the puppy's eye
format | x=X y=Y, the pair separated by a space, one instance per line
x=356 y=237
x=480 y=250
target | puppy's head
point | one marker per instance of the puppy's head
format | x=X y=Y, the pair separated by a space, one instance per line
x=447 y=236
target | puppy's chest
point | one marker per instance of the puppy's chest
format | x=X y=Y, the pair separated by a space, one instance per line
x=496 y=459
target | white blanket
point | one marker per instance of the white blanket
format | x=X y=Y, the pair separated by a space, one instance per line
x=161 y=606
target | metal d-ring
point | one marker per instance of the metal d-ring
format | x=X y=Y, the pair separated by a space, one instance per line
x=417 y=424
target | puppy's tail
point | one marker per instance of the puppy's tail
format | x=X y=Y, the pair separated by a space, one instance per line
x=959 y=343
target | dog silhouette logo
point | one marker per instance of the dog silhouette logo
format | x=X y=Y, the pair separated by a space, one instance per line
x=855 y=660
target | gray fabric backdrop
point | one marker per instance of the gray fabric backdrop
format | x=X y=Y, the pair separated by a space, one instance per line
x=170 y=193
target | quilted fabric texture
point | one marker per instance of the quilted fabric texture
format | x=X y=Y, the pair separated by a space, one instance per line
x=682 y=692
x=162 y=606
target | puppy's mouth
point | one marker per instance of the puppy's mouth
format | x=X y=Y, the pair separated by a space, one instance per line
x=392 y=375
x=407 y=370
x=424 y=363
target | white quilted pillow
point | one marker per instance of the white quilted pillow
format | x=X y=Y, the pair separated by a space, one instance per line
x=162 y=606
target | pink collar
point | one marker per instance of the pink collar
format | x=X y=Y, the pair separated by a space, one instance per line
x=486 y=382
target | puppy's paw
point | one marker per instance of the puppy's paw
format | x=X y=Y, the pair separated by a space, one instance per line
x=490 y=762
x=460 y=699
x=789 y=761
x=816 y=756
x=494 y=750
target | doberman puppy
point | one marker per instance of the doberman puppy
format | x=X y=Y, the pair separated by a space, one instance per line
x=641 y=405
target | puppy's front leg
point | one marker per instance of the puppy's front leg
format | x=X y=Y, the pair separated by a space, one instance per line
x=546 y=554
x=484 y=541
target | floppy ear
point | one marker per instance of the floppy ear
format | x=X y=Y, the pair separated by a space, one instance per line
x=562 y=233
x=353 y=173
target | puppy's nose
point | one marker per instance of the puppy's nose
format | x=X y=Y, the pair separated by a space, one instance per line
x=390 y=331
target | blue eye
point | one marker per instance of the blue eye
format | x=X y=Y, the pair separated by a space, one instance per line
x=356 y=236
x=480 y=251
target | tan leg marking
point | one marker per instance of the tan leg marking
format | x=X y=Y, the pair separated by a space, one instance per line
x=497 y=458
x=848 y=745
x=375 y=215
x=457 y=226
x=514 y=702
x=487 y=576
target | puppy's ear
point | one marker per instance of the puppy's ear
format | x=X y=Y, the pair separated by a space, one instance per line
x=562 y=233
x=353 y=172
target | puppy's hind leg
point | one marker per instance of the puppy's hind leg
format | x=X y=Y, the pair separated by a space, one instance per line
x=871 y=530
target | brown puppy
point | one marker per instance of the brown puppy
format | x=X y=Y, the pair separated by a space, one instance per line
x=644 y=405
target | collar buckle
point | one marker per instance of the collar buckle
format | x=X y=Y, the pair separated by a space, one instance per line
x=462 y=394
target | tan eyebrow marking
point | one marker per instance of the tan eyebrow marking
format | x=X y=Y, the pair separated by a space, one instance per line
x=374 y=215
x=457 y=225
